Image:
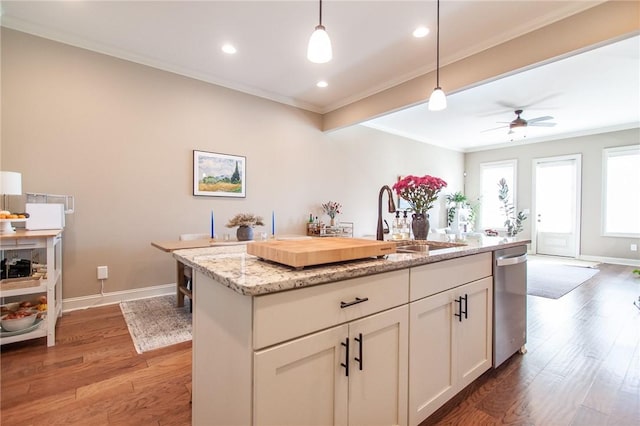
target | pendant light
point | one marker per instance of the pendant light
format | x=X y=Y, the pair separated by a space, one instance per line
x=319 y=49
x=438 y=100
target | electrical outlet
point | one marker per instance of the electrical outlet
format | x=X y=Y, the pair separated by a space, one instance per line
x=634 y=247
x=103 y=272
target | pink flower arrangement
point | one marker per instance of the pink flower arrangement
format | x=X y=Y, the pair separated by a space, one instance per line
x=420 y=192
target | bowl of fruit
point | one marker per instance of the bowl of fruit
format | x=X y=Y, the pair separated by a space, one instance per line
x=19 y=320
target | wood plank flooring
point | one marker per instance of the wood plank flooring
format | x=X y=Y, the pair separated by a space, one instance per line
x=93 y=376
x=582 y=368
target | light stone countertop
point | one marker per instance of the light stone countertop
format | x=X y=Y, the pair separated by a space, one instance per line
x=246 y=274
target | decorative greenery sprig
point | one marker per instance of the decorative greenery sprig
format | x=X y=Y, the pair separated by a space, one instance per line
x=245 y=219
x=513 y=221
x=331 y=208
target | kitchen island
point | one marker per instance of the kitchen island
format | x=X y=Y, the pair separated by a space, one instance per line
x=374 y=341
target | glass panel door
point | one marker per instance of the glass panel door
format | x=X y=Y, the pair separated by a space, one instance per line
x=556 y=203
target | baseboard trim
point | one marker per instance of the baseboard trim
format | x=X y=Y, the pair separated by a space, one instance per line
x=612 y=260
x=85 y=302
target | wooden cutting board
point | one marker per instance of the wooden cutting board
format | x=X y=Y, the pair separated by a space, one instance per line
x=319 y=251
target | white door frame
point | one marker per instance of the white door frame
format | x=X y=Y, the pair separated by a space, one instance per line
x=534 y=213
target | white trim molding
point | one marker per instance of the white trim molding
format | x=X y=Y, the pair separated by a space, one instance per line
x=611 y=260
x=96 y=300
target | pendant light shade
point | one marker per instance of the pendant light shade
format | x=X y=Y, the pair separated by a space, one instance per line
x=438 y=100
x=319 y=49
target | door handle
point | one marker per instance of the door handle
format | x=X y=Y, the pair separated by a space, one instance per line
x=353 y=302
x=346 y=357
x=466 y=305
x=459 y=315
x=359 y=357
x=460 y=310
x=511 y=260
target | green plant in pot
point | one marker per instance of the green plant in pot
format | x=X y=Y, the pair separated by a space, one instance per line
x=459 y=200
x=245 y=223
x=513 y=221
x=454 y=200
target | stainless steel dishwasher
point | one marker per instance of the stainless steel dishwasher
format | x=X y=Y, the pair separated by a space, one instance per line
x=509 y=303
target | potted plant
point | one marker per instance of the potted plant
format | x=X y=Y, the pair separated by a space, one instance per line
x=459 y=200
x=513 y=221
x=245 y=223
x=332 y=208
x=455 y=200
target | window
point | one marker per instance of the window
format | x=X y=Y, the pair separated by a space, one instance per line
x=621 y=192
x=491 y=214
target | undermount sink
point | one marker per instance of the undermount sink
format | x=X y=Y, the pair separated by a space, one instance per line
x=424 y=246
x=420 y=248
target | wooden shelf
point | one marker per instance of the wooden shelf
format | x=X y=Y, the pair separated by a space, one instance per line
x=49 y=285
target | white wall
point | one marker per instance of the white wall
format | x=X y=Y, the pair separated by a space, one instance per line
x=592 y=243
x=119 y=137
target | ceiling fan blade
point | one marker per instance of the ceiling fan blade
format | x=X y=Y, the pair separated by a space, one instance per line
x=493 y=128
x=510 y=106
x=539 y=124
x=529 y=105
x=535 y=120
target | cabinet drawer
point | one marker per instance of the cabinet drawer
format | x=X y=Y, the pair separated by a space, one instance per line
x=282 y=316
x=440 y=276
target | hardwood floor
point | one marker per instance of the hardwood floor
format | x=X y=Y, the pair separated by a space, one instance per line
x=93 y=376
x=582 y=368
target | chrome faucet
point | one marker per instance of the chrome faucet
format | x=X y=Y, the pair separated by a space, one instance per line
x=392 y=209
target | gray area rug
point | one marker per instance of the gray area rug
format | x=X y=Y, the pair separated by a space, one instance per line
x=156 y=322
x=554 y=281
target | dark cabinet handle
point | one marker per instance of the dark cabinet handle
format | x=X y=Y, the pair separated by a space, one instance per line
x=345 y=364
x=462 y=311
x=459 y=315
x=466 y=305
x=353 y=302
x=359 y=357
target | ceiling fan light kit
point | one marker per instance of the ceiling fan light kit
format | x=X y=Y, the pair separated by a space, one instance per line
x=319 y=49
x=438 y=100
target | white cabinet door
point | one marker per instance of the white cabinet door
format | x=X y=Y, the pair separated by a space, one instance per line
x=378 y=370
x=448 y=349
x=431 y=345
x=474 y=339
x=302 y=382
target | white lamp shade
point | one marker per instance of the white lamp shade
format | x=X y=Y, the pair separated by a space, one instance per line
x=438 y=100
x=319 y=49
x=10 y=183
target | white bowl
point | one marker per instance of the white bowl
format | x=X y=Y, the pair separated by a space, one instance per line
x=18 y=324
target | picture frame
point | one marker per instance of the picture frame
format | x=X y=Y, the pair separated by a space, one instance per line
x=219 y=175
x=401 y=203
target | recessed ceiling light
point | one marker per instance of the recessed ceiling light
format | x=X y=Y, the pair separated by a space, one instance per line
x=322 y=83
x=420 y=32
x=228 y=48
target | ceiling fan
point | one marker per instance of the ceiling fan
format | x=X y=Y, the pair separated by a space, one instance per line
x=520 y=123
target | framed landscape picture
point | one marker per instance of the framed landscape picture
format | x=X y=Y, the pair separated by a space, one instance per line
x=219 y=175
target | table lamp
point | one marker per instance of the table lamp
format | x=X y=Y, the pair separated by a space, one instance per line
x=10 y=184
